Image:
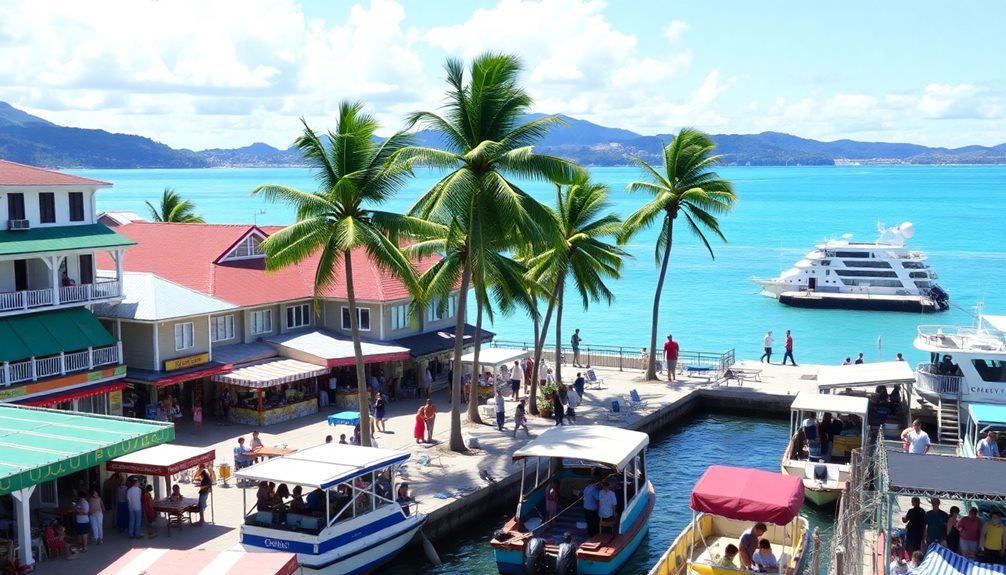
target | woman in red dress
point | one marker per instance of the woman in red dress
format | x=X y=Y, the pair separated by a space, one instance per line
x=419 y=432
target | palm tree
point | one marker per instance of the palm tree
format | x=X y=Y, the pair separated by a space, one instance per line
x=582 y=251
x=687 y=185
x=485 y=144
x=174 y=209
x=354 y=172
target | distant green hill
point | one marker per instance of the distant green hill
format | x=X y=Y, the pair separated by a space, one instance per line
x=31 y=140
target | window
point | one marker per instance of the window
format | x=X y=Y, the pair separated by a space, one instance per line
x=222 y=328
x=184 y=336
x=261 y=321
x=436 y=312
x=47 y=207
x=15 y=206
x=298 y=316
x=94 y=404
x=362 y=315
x=400 y=316
x=76 y=206
x=248 y=248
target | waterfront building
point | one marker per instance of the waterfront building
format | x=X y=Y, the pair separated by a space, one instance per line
x=202 y=314
x=53 y=351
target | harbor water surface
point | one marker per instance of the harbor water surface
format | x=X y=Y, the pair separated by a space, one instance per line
x=675 y=461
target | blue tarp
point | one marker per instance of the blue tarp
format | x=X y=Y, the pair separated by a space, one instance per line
x=942 y=561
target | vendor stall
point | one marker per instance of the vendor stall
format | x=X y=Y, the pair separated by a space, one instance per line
x=172 y=562
x=273 y=391
x=493 y=359
x=164 y=461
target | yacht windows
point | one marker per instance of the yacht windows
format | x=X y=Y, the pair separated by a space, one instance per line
x=918 y=274
x=866 y=274
x=990 y=370
x=923 y=284
x=872 y=282
x=825 y=262
x=852 y=254
x=913 y=265
x=868 y=264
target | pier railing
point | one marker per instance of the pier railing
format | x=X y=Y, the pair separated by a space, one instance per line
x=623 y=357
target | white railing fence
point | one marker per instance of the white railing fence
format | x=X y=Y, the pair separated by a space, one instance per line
x=37 y=368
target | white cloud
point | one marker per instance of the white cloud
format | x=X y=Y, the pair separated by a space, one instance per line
x=675 y=31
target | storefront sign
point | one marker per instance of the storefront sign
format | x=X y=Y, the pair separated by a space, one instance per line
x=115 y=402
x=185 y=362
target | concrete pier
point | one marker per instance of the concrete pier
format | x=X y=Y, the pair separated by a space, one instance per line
x=449 y=488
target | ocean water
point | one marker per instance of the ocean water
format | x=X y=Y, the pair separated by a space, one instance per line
x=711 y=304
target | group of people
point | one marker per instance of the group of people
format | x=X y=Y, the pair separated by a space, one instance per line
x=815 y=438
x=968 y=535
x=753 y=551
x=426 y=417
x=768 y=341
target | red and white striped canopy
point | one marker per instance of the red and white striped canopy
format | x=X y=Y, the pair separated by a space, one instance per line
x=270 y=373
x=172 y=562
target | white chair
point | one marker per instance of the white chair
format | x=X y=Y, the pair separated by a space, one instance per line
x=616 y=413
x=594 y=382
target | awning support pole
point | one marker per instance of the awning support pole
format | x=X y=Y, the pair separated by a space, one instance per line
x=22 y=514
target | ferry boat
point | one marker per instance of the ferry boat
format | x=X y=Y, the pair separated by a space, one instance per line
x=576 y=456
x=982 y=420
x=352 y=522
x=880 y=275
x=725 y=502
x=824 y=475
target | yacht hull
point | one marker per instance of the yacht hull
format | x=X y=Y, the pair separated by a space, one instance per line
x=819 y=300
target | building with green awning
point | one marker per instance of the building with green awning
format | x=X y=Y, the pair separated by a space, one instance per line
x=50 y=333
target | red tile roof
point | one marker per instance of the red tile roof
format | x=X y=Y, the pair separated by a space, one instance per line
x=184 y=254
x=14 y=174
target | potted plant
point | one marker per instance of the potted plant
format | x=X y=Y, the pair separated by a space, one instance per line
x=544 y=399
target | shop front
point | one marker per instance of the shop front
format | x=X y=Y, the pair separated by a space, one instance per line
x=183 y=390
x=272 y=391
x=433 y=351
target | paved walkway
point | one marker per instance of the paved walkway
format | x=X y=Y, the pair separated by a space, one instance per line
x=448 y=471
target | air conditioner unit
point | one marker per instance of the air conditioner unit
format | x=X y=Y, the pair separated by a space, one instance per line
x=19 y=225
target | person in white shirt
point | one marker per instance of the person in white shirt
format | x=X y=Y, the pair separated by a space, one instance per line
x=133 y=498
x=916 y=440
x=82 y=519
x=572 y=401
x=764 y=560
x=500 y=409
x=606 y=502
x=767 y=344
x=987 y=447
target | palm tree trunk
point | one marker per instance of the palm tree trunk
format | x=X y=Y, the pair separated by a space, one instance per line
x=651 y=368
x=559 y=289
x=361 y=376
x=539 y=349
x=457 y=443
x=473 y=392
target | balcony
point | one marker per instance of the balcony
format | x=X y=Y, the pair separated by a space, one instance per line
x=65 y=363
x=36 y=299
x=928 y=380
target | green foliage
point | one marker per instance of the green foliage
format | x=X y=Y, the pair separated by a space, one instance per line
x=174 y=209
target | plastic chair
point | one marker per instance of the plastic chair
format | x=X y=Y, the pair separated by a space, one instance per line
x=594 y=382
x=635 y=401
x=616 y=413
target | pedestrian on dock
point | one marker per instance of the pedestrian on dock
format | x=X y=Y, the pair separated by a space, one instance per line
x=500 y=409
x=848 y=361
x=789 y=349
x=419 y=430
x=520 y=419
x=429 y=412
x=558 y=409
x=970 y=528
x=579 y=384
x=915 y=439
x=936 y=524
x=859 y=359
x=380 y=407
x=671 y=356
x=915 y=526
x=516 y=379
x=767 y=344
x=574 y=342
x=992 y=542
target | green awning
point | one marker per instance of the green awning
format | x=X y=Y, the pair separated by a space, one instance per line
x=60 y=238
x=40 y=445
x=49 y=333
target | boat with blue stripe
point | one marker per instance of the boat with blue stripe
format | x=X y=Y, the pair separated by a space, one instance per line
x=551 y=531
x=342 y=517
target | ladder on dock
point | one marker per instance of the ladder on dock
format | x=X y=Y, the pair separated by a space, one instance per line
x=948 y=419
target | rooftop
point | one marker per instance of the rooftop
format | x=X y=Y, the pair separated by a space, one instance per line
x=61 y=238
x=14 y=174
x=152 y=298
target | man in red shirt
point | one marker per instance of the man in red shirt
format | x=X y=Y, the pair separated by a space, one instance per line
x=789 y=350
x=671 y=356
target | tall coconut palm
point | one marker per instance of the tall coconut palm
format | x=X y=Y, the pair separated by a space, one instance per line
x=174 y=209
x=354 y=173
x=485 y=145
x=686 y=185
x=580 y=251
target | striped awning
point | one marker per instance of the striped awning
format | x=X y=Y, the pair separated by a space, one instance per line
x=270 y=373
x=199 y=562
x=942 y=561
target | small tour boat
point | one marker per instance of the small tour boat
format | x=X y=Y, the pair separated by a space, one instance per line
x=577 y=456
x=824 y=474
x=352 y=522
x=725 y=502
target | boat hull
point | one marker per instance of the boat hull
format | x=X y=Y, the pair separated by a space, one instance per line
x=820 y=300
x=822 y=497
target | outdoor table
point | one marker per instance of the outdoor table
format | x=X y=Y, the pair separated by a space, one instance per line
x=344 y=418
x=175 y=510
x=270 y=452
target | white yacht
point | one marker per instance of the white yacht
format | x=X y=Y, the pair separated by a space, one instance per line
x=878 y=275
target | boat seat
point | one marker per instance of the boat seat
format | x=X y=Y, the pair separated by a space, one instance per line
x=293 y=520
x=823 y=472
x=264 y=518
x=310 y=523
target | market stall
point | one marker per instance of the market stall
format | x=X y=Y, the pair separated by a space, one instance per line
x=493 y=359
x=172 y=562
x=164 y=461
x=273 y=391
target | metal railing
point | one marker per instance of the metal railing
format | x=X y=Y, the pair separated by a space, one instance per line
x=25 y=299
x=926 y=380
x=29 y=299
x=954 y=338
x=622 y=357
x=38 y=368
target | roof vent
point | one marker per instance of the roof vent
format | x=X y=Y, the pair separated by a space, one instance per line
x=22 y=225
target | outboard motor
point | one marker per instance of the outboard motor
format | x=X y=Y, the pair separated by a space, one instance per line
x=565 y=562
x=534 y=556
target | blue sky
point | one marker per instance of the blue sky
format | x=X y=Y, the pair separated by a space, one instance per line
x=202 y=74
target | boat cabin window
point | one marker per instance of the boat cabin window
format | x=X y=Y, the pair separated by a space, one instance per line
x=913 y=265
x=852 y=254
x=990 y=370
x=868 y=264
x=305 y=509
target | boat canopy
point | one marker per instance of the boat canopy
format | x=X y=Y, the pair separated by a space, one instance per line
x=851 y=404
x=987 y=413
x=323 y=466
x=748 y=494
x=611 y=446
x=865 y=374
x=942 y=561
x=495 y=356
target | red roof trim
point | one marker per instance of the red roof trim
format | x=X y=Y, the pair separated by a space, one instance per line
x=375 y=358
x=78 y=393
x=15 y=174
x=248 y=232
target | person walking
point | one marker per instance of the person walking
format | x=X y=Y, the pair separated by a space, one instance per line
x=97 y=516
x=767 y=344
x=429 y=412
x=500 y=409
x=380 y=408
x=558 y=409
x=789 y=349
x=579 y=384
x=574 y=342
x=419 y=430
x=520 y=419
x=135 y=501
x=671 y=356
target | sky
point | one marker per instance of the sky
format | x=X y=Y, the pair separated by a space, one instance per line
x=227 y=73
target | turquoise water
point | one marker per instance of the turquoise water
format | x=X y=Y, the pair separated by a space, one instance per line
x=673 y=474
x=711 y=305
